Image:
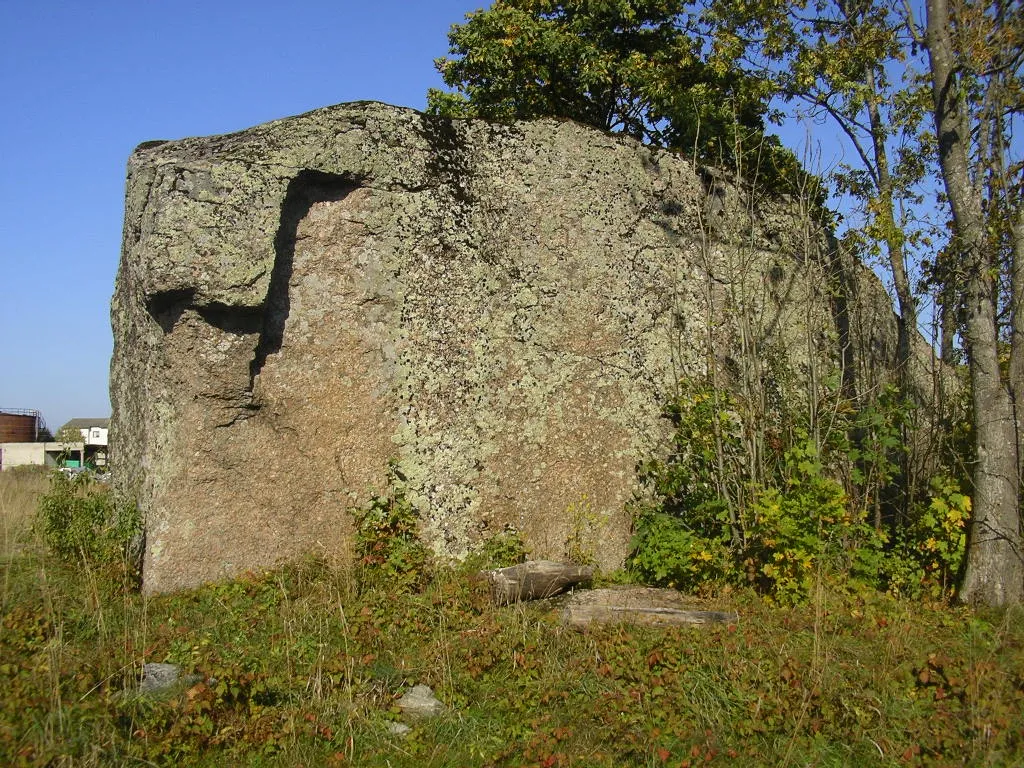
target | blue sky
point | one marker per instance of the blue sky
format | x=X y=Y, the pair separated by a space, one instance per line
x=84 y=82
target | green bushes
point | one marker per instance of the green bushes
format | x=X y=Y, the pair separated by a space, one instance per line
x=779 y=520
x=786 y=534
x=929 y=550
x=82 y=520
x=388 y=548
x=666 y=551
x=804 y=526
x=688 y=537
x=499 y=551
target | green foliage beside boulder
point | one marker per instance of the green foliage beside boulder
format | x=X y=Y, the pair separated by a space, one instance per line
x=81 y=520
x=501 y=550
x=388 y=548
x=928 y=552
x=799 y=513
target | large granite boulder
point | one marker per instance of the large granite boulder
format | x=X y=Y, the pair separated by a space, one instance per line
x=493 y=314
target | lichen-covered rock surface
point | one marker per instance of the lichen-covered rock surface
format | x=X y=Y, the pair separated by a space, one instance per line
x=492 y=316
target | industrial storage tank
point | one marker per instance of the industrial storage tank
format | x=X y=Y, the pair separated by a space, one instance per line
x=20 y=425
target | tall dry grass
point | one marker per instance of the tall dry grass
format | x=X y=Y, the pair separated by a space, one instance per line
x=20 y=489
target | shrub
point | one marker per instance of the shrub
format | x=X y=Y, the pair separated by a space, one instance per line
x=388 y=549
x=499 y=551
x=584 y=529
x=719 y=516
x=806 y=525
x=26 y=471
x=929 y=550
x=82 y=520
x=707 y=438
x=665 y=551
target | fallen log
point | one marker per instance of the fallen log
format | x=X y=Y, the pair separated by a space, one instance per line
x=535 y=580
x=638 y=606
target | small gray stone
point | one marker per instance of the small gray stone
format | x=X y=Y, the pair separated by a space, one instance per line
x=157 y=678
x=398 y=729
x=420 y=703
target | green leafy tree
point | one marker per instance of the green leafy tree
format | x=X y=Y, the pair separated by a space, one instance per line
x=68 y=434
x=620 y=65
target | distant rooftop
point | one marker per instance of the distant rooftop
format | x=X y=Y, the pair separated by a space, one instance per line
x=86 y=424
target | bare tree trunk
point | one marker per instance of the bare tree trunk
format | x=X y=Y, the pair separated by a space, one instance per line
x=907 y=324
x=948 y=315
x=995 y=572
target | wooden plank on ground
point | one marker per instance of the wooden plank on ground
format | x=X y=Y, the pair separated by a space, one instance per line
x=638 y=605
x=536 y=580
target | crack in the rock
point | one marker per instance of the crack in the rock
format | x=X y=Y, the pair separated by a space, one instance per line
x=304 y=190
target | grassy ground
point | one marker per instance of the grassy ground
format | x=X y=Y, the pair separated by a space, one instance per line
x=301 y=666
x=20 y=488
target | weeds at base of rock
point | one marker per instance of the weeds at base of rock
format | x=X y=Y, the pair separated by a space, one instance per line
x=304 y=665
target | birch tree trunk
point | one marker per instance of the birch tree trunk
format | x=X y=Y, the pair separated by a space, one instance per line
x=994 y=572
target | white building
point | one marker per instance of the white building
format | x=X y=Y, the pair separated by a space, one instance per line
x=94 y=439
